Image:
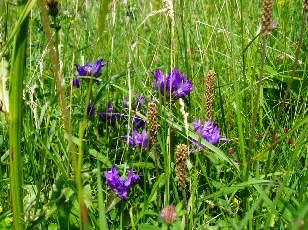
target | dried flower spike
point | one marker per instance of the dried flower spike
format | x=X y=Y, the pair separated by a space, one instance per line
x=52 y=7
x=168 y=214
x=209 y=96
x=181 y=157
x=267 y=14
x=153 y=124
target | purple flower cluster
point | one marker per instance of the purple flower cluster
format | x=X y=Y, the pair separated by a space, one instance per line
x=174 y=84
x=89 y=69
x=120 y=184
x=110 y=115
x=208 y=131
x=138 y=139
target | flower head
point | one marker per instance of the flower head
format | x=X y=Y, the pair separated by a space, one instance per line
x=138 y=139
x=120 y=184
x=168 y=214
x=174 y=84
x=90 y=110
x=140 y=100
x=138 y=122
x=209 y=131
x=91 y=69
x=110 y=114
x=76 y=82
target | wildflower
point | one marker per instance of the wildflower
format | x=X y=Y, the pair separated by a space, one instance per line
x=90 y=110
x=120 y=184
x=210 y=94
x=1 y=209
x=138 y=139
x=153 y=123
x=175 y=84
x=209 y=131
x=76 y=82
x=91 y=69
x=138 y=122
x=181 y=157
x=168 y=214
x=139 y=102
x=267 y=14
x=110 y=115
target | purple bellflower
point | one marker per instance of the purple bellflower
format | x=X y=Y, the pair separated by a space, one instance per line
x=91 y=68
x=76 y=82
x=208 y=131
x=90 y=110
x=174 y=84
x=120 y=184
x=138 y=139
x=110 y=115
x=139 y=102
x=138 y=122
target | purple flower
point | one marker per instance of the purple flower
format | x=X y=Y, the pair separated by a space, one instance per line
x=76 y=82
x=209 y=131
x=120 y=184
x=90 y=110
x=91 y=69
x=110 y=115
x=174 y=84
x=138 y=139
x=139 y=102
x=138 y=122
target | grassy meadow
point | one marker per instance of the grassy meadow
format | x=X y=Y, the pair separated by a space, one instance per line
x=154 y=114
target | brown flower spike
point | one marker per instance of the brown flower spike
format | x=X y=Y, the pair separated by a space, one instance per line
x=267 y=15
x=209 y=96
x=152 y=118
x=181 y=157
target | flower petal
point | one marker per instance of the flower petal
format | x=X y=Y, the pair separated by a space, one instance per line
x=184 y=90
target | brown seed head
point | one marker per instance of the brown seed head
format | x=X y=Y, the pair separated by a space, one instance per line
x=306 y=5
x=209 y=96
x=267 y=15
x=52 y=7
x=153 y=123
x=181 y=157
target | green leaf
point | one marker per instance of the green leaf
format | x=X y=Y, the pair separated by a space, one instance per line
x=147 y=227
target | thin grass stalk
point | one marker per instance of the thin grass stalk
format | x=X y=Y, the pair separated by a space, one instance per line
x=18 y=69
x=82 y=128
x=101 y=206
x=266 y=19
x=296 y=59
x=171 y=24
x=59 y=82
x=238 y=98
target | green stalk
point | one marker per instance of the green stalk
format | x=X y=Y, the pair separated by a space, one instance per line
x=101 y=206
x=17 y=73
x=59 y=81
x=82 y=129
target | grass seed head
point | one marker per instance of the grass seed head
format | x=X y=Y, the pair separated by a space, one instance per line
x=209 y=95
x=181 y=157
x=153 y=123
x=267 y=16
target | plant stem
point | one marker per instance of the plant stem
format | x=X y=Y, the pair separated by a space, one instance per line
x=59 y=82
x=15 y=121
x=82 y=128
x=101 y=206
